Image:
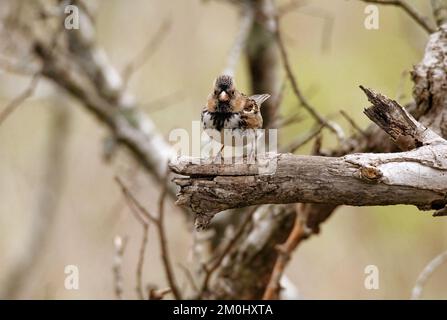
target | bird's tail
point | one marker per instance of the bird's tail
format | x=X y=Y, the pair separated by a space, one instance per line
x=260 y=98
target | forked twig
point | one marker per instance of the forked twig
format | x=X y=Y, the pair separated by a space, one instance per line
x=159 y=223
x=214 y=266
x=297 y=91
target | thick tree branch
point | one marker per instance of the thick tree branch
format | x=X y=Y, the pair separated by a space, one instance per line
x=416 y=177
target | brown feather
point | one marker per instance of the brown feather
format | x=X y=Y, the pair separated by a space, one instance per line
x=211 y=103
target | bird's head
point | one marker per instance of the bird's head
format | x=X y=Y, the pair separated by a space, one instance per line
x=224 y=92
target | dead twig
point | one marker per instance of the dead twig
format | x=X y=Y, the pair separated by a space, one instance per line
x=189 y=277
x=211 y=269
x=296 y=90
x=163 y=243
x=411 y=11
x=15 y=103
x=159 y=223
x=297 y=234
x=302 y=140
x=158 y=294
x=353 y=123
x=140 y=264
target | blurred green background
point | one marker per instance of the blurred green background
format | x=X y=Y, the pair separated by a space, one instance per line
x=90 y=211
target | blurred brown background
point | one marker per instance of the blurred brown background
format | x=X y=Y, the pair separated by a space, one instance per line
x=89 y=209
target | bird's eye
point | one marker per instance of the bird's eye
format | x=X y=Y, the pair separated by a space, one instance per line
x=216 y=92
x=232 y=92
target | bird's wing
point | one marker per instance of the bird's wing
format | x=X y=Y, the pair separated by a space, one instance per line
x=260 y=98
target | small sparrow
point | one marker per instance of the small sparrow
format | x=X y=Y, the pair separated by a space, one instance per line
x=229 y=111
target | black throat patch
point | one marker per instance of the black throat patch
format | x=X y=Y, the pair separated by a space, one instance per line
x=219 y=119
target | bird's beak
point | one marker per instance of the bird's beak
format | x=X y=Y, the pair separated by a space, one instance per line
x=223 y=96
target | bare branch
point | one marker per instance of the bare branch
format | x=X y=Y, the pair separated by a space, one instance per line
x=164 y=246
x=352 y=123
x=297 y=234
x=138 y=210
x=159 y=223
x=147 y=52
x=140 y=264
x=296 y=90
x=245 y=271
x=358 y=179
x=209 y=270
x=411 y=11
x=300 y=141
x=158 y=294
x=14 y=104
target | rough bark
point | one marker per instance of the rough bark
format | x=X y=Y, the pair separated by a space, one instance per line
x=86 y=74
x=416 y=177
x=375 y=140
x=430 y=84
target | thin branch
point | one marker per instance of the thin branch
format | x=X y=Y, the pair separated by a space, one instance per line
x=240 y=42
x=210 y=270
x=159 y=223
x=158 y=294
x=328 y=25
x=300 y=141
x=425 y=275
x=189 y=277
x=147 y=52
x=120 y=246
x=298 y=233
x=141 y=214
x=135 y=210
x=289 y=120
x=353 y=123
x=163 y=243
x=163 y=102
x=411 y=11
x=400 y=94
x=140 y=264
x=296 y=90
x=15 y=103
